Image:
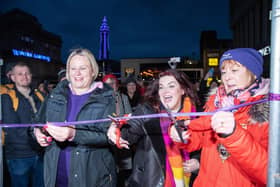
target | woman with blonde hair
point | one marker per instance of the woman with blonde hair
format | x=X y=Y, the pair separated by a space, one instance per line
x=77 y=155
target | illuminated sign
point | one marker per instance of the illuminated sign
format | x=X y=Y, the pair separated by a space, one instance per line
x=31 y=55
x=213 y=61
x=265 y=51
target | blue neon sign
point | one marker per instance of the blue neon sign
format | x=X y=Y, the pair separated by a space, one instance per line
x=31 y=55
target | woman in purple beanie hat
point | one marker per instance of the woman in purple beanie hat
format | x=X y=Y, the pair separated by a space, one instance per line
x=234 y=144
x=248 y=57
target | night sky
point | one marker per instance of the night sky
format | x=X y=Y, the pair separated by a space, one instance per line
x=138 y=28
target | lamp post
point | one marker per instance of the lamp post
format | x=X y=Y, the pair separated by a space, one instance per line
x=274 y=118
x=1 y=150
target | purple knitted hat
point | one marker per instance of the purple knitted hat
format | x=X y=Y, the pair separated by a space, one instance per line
x=248 y=57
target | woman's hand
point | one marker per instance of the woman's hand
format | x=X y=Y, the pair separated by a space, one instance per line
x=41 y=138
x=112 y=135
x=174 y=134
x=223 y=123
x=61 y=134
x=191 y=165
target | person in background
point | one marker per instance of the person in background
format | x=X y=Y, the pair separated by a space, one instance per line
x=42 y=87
x=77 y=155
x=234 y=144
x=5 y=86
x=132 y=92
x=50 y=85
x=123 y=157
x=214 y=83
x=23 y=156
x=122 y=103
x=203 y=88
x=141 y=85
x=61 y=75
x=7 y=83
x=157 y=162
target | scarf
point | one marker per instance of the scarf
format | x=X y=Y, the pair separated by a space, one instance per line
x=175 y=176
x=239 y=96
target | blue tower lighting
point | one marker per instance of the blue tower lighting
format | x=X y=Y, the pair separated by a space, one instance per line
x=104 y=40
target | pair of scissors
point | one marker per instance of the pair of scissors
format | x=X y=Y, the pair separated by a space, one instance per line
x=119 y=124
x=178 y=127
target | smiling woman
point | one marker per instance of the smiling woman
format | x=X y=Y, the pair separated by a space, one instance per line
x=78 y=155
x=157 y=162
x=80 y=74
x=234 y=144
x=170 y=93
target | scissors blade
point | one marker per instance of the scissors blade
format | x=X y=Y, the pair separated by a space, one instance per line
x=170 y=115
x=114 y=120
x=174 y=121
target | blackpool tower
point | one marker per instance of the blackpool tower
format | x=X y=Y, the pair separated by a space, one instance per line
x=104 y=44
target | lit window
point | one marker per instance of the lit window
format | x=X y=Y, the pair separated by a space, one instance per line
x=212 y=61
x=129 y=71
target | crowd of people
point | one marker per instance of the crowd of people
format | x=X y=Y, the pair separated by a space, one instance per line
x=228 y=148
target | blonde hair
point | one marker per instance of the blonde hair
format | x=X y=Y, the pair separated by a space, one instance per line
x=86 y=53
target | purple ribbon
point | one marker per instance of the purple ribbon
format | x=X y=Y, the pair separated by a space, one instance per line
x=91 y=122
x=274 y=97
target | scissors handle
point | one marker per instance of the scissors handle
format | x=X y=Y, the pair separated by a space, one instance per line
x=176 y=125
x=119 y=124
x=179 y=130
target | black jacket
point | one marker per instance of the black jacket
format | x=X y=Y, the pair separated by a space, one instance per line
x=92 y=163
x=149 y=159
x=19 y=142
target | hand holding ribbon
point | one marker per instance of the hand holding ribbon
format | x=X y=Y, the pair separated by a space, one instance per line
x=61 y=133
x=176 y=137
x=43 y=139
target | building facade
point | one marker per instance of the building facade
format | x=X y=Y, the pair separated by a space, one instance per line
x=148 y=68
x=211 y=49
x=251 y=26
x=24 y=39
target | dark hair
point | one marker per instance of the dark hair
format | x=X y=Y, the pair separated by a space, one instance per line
x=61 y=74
x=151 y=95
x=184 y=82
x=129 y=80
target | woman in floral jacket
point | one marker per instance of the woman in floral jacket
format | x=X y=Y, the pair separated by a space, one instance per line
x=234 y=144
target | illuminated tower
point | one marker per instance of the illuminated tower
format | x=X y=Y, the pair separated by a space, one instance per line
x=104 y=43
